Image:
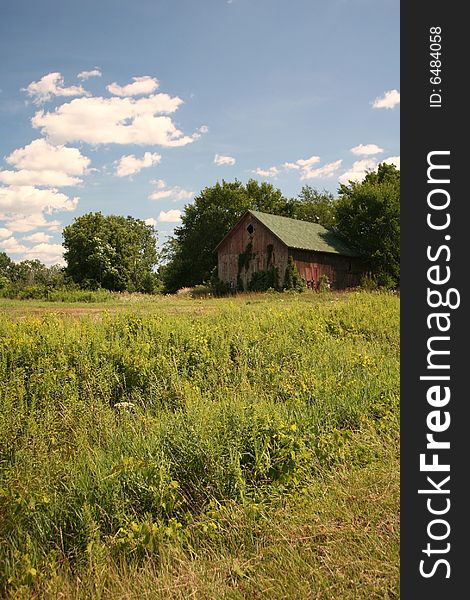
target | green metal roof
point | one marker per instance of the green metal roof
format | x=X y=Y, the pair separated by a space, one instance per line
x=303 y=235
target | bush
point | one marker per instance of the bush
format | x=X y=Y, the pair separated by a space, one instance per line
x=264 y=280
x=292 y=278
x=324 y=283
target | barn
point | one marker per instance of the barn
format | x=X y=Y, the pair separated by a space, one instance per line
x=260 y=241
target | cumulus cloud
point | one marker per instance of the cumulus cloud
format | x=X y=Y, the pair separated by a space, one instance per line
x=41 y=178
x=39 y=237
x=98 y=120
x=302 y=163
x=389 y=100
x=42 y=164
x=327 y=170
x=366 y=149
x=304 y=166
x=220 y=159
x=12 y=246
x=96 y=72
x=49 y=254
x=290 y=165
x=141 y=85
x=307 y=162
x=4 y=233
x=28 y=200
x=52 y=85
x=150 y=221
x=269 y=172
x=159 y=183
x=130 y=164
x=392 y=160
x=175 y=193
x=358 y=171
x=169 y=216
x=40 y=155
x=23 y=223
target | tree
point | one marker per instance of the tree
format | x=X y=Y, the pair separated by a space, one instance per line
x=368 y=218
x=317 y=207
x=27 y=273
x=114 y=252
x=5 y=266
x=190 y=254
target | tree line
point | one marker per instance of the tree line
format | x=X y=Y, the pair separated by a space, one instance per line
x=120 y=253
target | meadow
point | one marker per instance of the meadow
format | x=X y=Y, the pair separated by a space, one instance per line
x=172 y=447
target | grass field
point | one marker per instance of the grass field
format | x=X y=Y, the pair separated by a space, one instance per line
x=216 y=448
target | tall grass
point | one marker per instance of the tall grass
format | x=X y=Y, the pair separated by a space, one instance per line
x=126 y=436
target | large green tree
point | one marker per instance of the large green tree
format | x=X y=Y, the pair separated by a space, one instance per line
x=190 y=255
x=114 y=252
x=315 y=206
x=368 y=218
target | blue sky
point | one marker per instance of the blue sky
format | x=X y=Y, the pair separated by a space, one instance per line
x=133 y=107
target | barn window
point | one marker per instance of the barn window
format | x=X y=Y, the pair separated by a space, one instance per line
x=250 y=229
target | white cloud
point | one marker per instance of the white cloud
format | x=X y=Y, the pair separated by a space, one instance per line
x=98 y=120
x=308 y=162
x=141 y=85
x=169 y=216
x=49 y=254
x=389 y=100
x=150 y=221
x=175 y=192
x=327 y=170
x=42 y=164
x=130 y=164
x=96 y=72
x=49 y=178
x=25 y=200
x=270 y=172
x=38 y=237
x=392 y=160
x=24 y=223
x=40 y=155
x=220 y=159
x=52 y=85
x=358 y=171
x=12 y=246
x=159 y=183
x=304 y=165
x=4 y=233
x=366 y=149
x=290 y=165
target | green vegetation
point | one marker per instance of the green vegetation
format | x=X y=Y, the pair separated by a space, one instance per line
x=292 y=279
x=176 y=448
x=368 y=217
x=112 y=252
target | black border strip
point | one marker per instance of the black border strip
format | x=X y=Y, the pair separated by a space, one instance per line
x=434 y=124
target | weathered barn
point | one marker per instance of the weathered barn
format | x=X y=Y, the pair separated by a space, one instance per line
x=260 y=241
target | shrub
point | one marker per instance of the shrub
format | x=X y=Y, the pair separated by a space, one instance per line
x=292 y=278
x=264 y=280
